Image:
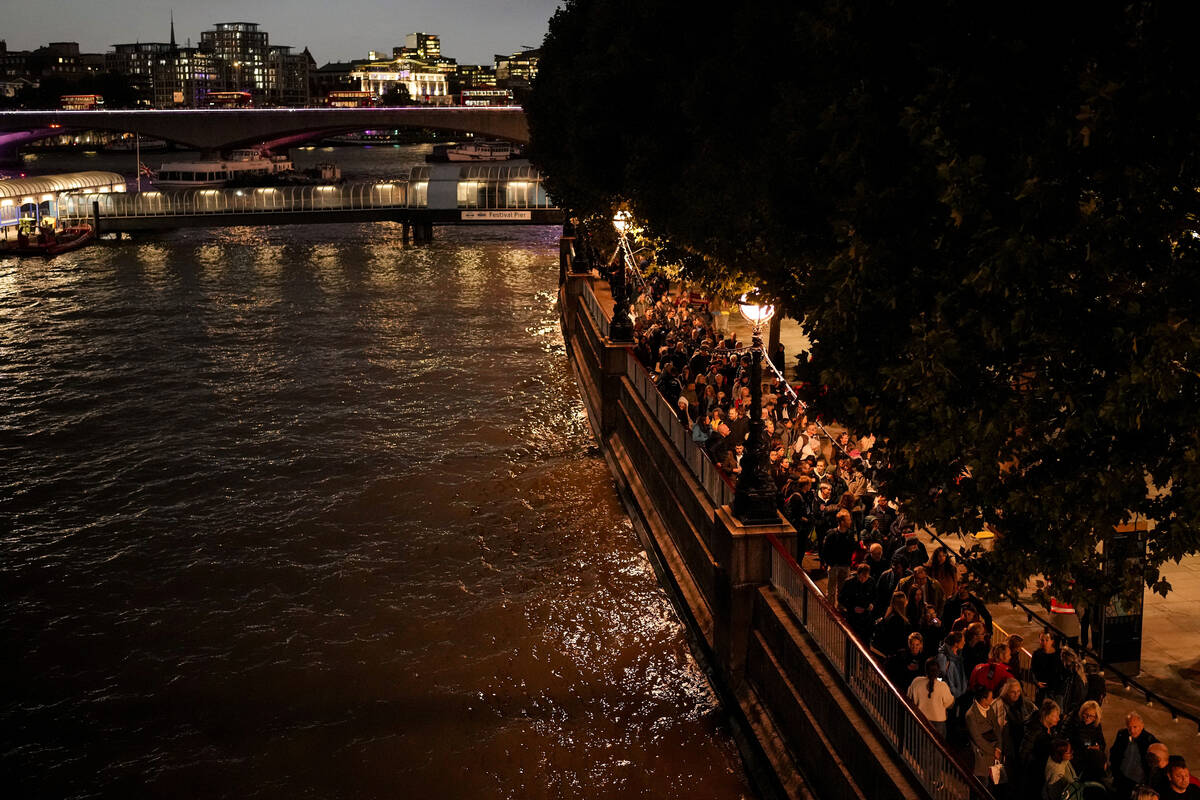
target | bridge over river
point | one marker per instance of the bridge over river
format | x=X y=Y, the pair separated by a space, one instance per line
x=218 y=129
x=442 y=194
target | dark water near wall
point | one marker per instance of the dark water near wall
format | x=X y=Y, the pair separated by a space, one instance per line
x=306 y=512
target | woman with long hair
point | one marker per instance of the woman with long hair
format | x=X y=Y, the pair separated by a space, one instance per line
x=942 y=569
x=932 y=696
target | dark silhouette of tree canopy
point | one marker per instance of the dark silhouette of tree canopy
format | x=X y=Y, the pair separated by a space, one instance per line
x=983 y=213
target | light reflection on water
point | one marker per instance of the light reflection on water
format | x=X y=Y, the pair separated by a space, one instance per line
x=312 y=513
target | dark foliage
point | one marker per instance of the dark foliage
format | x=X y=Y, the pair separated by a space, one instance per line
x=984 y=214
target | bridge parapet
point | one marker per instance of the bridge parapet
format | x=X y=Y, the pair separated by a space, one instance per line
x=228 y=128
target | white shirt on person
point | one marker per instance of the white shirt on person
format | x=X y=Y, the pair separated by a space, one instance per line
x=932 y=706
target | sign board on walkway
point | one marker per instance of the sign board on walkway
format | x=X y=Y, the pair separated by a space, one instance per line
x=493 y=216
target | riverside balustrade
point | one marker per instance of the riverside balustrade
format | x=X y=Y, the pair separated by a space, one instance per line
x=908 y=733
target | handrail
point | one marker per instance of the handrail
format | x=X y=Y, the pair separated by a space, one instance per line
x=715 y=483
x=1126 y=680
x=915 y=741
x=597 y=313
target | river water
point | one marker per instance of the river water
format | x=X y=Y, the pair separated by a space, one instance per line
x=308 y=512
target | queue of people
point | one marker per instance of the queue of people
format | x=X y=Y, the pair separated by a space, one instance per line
x=909 y=607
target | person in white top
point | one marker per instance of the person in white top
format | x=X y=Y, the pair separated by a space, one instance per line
x=932 y=696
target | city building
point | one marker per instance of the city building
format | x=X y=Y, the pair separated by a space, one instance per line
x=141 y=62
x=518 y=70
x=246 y=61
x=424 y=46
x=425 y=83
x=185 y=79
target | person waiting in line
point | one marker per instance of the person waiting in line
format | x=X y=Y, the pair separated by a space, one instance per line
x=874 y=560
x=941 y=568
x=1087 y=744
x=892 y=630
x=824 y=512
x=976 y=651
x=1075 y=682
x=1179 y=785
x=1157 y=755
x=966 y=616
x=919 y=582
x=1128 y=755
x=1047 y=668
x=962 y=595
x=837 y=548
x=993 y=673
x=882 y=511
x=908 y=662
x=856 y=601
x=914 y=551
x=887 y=583
x=1015 y=644
x=932 y=697
x=1035 y=749
x=929 y=626
x=685 y=417
x=949 y=659
x=1058 y=773
x=985 y=733
x=1019 y=715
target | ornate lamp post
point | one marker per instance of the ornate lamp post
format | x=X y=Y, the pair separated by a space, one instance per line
x=754 y=494
x=621 y=327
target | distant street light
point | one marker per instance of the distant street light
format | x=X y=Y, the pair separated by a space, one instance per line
x=754 y=494
x=621 y=327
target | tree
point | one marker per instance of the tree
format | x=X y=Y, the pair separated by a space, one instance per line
x=984 y=214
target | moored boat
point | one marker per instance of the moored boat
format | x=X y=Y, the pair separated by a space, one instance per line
x=475 y=151
x=241 y=166
x=49 y=242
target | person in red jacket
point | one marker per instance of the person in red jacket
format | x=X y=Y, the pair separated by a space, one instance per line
x=992 y=673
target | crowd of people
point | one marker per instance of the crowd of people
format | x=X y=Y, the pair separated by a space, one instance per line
x=931 y=635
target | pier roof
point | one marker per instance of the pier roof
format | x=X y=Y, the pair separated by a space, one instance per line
x=66 y=182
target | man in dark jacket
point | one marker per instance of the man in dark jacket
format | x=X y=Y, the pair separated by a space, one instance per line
x=1130 y=766
x=856 y=600
x=953 y=607
x=837 y=549
x=668 y=384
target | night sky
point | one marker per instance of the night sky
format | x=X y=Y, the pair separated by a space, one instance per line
x=333 y=30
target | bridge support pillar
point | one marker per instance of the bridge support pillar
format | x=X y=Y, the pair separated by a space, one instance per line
x=422 y=232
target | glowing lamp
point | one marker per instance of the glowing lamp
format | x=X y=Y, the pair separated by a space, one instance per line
x=755 y=312
x=621 y=221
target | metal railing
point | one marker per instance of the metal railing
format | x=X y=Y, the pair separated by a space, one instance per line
x=715 y=485
x=916 y=743
x=594 y=310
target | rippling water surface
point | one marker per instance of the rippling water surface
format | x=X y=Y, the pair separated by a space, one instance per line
x=309 y=512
